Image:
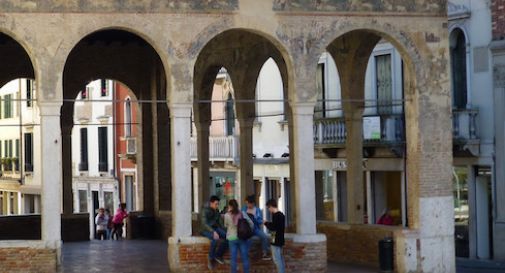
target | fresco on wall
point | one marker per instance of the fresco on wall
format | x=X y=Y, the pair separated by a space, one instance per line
x=431 y=6
x=151 y=6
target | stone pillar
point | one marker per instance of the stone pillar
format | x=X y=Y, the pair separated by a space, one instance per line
x=354 y=154
x=202 y=139
x=246 y=158
x=147 y=159
x=51 y=173
x=302 y=152
x=181 y=170
x=66 y=143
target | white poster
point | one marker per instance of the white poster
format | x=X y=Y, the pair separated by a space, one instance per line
x=371 y=128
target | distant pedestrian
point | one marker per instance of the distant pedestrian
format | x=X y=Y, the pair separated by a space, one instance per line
x=386 y=218
x=213 y=228
x=110 y=226
x=118 y=221
x=101 y=221
x=277 y=229
x=256 y=216
x=232 y=223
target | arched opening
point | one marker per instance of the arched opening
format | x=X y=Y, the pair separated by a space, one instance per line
x=127 y=110
x=20 y=180
x=364 y=81
x=459 y=69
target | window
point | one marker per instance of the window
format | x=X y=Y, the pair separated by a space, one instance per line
x=29 y=93
x=108 y=199
x=83 y=201
x=320 y=109
x=102 y=149
x=29 y=152
x=128 y=118
x=8 y=106
x=103 y=88
x=86 y=93
x=458 y=69
x=324 y=195
x=230 y=116
x=130 y=192
x=83 y=165
x=12 y=203
x=16 y=159
x=384 y=84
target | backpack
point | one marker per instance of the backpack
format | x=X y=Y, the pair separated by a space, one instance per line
x=244 y=230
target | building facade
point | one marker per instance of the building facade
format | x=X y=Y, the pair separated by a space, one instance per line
x=497 y=47
x=20 y=158
x=93 y=151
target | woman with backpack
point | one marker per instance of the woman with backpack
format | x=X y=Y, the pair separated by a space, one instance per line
x=239 y=230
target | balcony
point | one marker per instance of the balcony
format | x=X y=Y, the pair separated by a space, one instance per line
x=224 y=148
x=388 y=130
x=382 y=130
x=464 y=131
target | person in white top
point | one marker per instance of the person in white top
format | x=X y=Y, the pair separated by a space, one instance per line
x=101 y=221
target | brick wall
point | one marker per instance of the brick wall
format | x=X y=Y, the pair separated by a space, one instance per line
x=354 y=244
x=299 y=257
x=24 y=259
x=498 y=19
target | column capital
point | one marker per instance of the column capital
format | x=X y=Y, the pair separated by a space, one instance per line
x=49 y=108
x=246 y=122
x=180 y=110
x=302 y=108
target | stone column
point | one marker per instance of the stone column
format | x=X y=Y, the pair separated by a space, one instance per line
x=203 y=157
x=51 y=173
x=354 y=156
x=246 y=158
x=302 y=153
x=66 y=143
x=181 y=170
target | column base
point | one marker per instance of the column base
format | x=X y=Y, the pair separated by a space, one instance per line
x=302 y=253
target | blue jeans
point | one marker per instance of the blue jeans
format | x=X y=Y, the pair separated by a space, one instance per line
x=213 y=243
x=278 y=258
x=108 y=233
x=265 y=240
x=243 y=246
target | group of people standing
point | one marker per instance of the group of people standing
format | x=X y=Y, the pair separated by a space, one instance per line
x=109 y=227
x=226 y=229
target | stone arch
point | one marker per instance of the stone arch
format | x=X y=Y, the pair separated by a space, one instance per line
x=19 y=54
x=125 y=56
x=148 y=38
x=282 y=58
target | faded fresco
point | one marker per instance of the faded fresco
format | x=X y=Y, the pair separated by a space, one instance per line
x=430 y=6
x=98 y=6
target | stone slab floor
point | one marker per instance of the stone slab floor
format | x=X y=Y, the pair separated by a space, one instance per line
x=138 y=256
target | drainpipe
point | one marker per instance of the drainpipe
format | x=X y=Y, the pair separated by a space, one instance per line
x=114 y=146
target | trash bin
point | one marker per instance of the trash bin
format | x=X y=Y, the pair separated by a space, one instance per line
x=145 y=225
x=386 y=255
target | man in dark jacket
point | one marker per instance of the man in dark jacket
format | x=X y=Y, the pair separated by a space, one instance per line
x=212 y=228
x=276 y=227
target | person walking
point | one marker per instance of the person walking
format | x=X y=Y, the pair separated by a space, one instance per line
x=212 y=228
x=118 y=220
x=231 y=222
x=256 y=216
x=277 y=229
x=101 y=221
